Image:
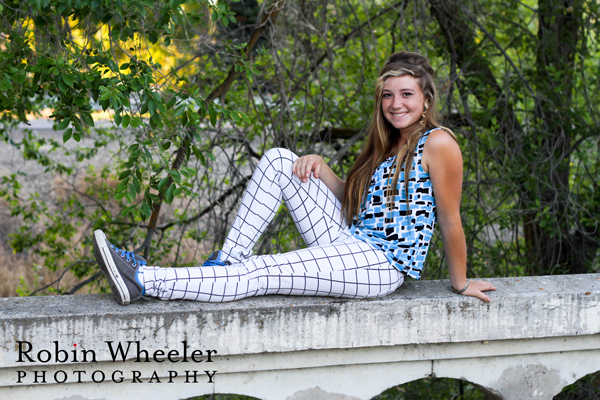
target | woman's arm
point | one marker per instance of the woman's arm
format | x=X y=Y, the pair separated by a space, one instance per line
x=303 y=166
x=443 y=161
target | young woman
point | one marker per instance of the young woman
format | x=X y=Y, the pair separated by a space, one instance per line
x=363 y=235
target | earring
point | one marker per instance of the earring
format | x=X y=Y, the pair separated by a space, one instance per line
x=425 y=106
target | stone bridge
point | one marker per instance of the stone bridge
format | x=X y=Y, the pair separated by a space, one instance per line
x=538 y=335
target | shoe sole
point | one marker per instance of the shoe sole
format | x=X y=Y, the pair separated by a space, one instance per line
x=105 y=261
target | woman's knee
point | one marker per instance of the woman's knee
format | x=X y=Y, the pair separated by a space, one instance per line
x=279 y=158
x=280 y=153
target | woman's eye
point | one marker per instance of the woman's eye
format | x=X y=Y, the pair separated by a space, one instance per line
x=387 y=95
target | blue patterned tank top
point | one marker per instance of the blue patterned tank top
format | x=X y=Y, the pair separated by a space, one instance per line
x=403 y=236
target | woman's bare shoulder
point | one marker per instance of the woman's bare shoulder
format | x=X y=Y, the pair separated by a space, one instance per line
x=441 y=147
x=440 y=139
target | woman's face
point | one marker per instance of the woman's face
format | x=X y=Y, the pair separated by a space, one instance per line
x=402 y=102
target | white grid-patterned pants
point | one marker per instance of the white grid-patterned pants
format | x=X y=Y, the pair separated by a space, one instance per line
x=335 y=263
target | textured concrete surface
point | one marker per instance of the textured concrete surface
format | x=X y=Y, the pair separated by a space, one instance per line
x=538 y=335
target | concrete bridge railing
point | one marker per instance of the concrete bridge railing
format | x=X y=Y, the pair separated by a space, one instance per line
x=538 y=335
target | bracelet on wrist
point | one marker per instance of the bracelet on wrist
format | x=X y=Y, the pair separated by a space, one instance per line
x=460 y=291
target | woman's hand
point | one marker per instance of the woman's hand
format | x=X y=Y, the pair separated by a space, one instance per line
x=476 y=289
x=303 y=166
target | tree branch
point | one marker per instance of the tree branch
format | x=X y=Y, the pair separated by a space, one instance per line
x=211 y=206
x=57 y=281
x=82 y=284
x=218 y=92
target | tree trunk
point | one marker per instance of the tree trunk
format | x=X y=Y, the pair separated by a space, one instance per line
x=551 y=233
x=551 y=226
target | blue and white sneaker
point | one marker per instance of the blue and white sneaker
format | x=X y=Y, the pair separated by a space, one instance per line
x=120 y=268
x=215 y=260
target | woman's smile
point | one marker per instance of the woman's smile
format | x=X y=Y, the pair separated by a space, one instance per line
x=402 y=102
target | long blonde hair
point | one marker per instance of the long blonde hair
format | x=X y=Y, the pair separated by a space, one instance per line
x=383 y=136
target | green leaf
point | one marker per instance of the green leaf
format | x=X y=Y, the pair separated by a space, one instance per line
x=137 y=185
x=63 y=124
x=169 y=195
x=156 y=97
x=68 y=79
x=151 y=107
x=122 y=186
x=202 y=110
x=61 y=86
x=146 y=210
x=105 y=94
x=107 y=18
x=114 y=102
x=199 y=155
x=135 y=84
x=190 y=171
x=245 y=117
x=184 y=119
x=67 y=134
x=179 y=110
x=125 y=174
x=129 y=210
x=39 y=21
x=87 y=118
x=213 y=115
x=175 y=175
x=147 y=154
x=162 y=183
x=172 y=102
x=125 y=122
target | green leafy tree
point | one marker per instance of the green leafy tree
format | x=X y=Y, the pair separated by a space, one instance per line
x=518 y=83
x=72 y=56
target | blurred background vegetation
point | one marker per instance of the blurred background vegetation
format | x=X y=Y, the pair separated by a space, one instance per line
x=161 y=109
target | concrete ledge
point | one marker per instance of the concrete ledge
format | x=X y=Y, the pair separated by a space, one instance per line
x=278 y=347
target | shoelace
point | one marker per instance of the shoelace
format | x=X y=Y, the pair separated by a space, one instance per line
x=129 y=256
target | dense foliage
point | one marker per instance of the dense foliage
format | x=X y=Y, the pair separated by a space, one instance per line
x=197 y=90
